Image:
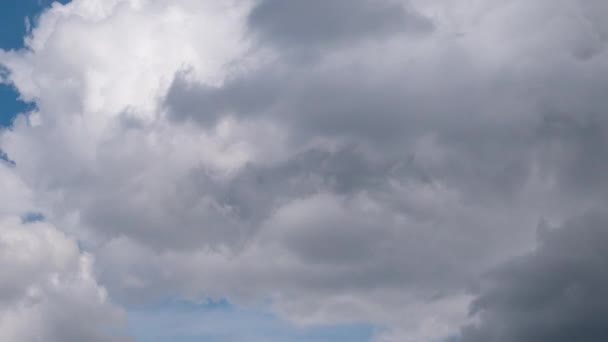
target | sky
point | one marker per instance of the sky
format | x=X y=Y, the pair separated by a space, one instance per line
x=320 y=170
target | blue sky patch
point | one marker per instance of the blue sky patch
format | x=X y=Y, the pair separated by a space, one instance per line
x=32 y=217
x=221 y=321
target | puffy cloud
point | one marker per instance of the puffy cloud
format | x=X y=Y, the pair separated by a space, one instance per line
x=48 y=289
x=188 y=150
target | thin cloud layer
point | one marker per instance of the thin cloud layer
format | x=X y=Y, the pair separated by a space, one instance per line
x=344 y=161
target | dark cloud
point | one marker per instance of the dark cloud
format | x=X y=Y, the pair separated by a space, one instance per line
x=557 y=293
x=205 y=104
x=392 y=110
x=323 y=23
x=574 y=152
x=357 y=99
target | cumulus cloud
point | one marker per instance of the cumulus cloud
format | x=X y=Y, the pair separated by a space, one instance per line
x=48 y=290
x=346 y=160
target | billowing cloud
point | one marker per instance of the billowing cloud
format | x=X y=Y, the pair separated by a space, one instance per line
x=342 y=160
x=48 y=290
x=47 y=285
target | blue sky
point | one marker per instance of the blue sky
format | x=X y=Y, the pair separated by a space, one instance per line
x=173 y=320
x=220 y=321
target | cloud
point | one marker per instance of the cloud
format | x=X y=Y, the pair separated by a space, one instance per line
x=321 y=24
x=556 y=293
x=48 y=291
x=185 y=148
x=15 y=197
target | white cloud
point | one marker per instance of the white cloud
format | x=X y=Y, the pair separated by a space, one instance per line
x=48 y=290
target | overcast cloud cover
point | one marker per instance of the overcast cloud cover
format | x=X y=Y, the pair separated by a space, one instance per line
x=435 y=168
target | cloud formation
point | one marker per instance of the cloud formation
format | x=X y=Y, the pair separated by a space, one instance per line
x=556 y=293
x=47 y=282
x=345 y=161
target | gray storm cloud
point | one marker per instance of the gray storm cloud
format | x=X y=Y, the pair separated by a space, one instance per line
x=556 y=293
